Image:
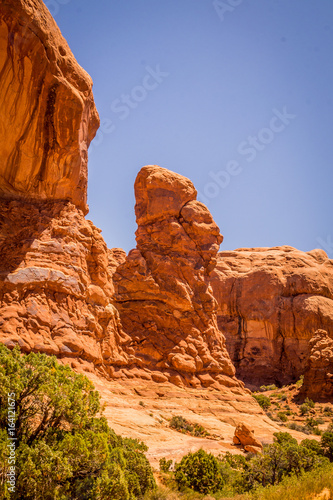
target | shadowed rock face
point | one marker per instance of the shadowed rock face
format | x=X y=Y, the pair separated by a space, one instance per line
x=162 y=289
x=48 y=116
x=270 y=303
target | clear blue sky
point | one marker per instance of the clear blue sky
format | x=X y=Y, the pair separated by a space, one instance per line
x=236 y=95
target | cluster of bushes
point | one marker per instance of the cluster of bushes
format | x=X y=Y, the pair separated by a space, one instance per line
x=236 y=474
x=63 y=449
x=180 y=424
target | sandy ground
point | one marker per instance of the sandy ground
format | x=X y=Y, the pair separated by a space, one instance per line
x=142 y=410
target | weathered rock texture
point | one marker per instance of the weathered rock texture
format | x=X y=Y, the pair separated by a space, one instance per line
x=48 y=116
x=163 y=294
x=318 y=378
x=56 y=286
x=150 y=315
x=245 y=438
x=270 y=303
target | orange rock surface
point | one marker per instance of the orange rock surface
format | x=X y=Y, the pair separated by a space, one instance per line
x=245 y=437
x=56 y=286
x=163 y=294
x=270 y=303
x=159 y=314
x=48 y=116
x=318 y=377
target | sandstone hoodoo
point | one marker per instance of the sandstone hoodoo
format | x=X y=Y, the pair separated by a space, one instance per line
x=48 y=115
x=163 y=293
x=270 y=303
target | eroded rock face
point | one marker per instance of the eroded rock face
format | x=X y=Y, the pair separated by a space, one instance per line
x=48 y=116
x=56 y=285
x=162 y=289
x=270 y=303
x=318 y=377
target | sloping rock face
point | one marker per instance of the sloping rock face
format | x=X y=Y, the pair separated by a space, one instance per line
x=48 y=116
x=163 y=294
x=318 y=377
x=270 y=303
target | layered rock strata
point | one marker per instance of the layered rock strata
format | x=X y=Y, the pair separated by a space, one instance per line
x=48 y=116
x=163 y=294
x=270 y=303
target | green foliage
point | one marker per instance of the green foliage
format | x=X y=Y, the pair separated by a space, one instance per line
x=299 y=382
x=309 y=402
x=263 y=401
x=328 y=411
x=304 y=409
x=165 y=465
x=327 y=444
x=199 y=471
x=282 y=416
x=64 y=450
x=284 y=438
x=180 y=424
x=281 y=459
x=313 y=445
x=299 y=428
x=264 y=388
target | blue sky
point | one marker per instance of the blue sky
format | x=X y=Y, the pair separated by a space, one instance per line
x=237 y=95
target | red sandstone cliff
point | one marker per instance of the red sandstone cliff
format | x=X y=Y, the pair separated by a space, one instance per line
x=56 y=273
x=270 y=303
x=160 y=313
x=48 y=115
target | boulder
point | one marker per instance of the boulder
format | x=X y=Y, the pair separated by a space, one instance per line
x=245 y=438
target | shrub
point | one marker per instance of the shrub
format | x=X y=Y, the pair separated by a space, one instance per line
x=328 y=411
x=165 y=465
x=299 y=382
x=309 y=402
x=264 y=388
x=263 y=401
x=199 y=471
x=299 y=428
x=63 y=449
x=282 y=416
x=180 y=424
x=313 y=445
x=304 y=409
x=284 y=438
x=327 y=444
